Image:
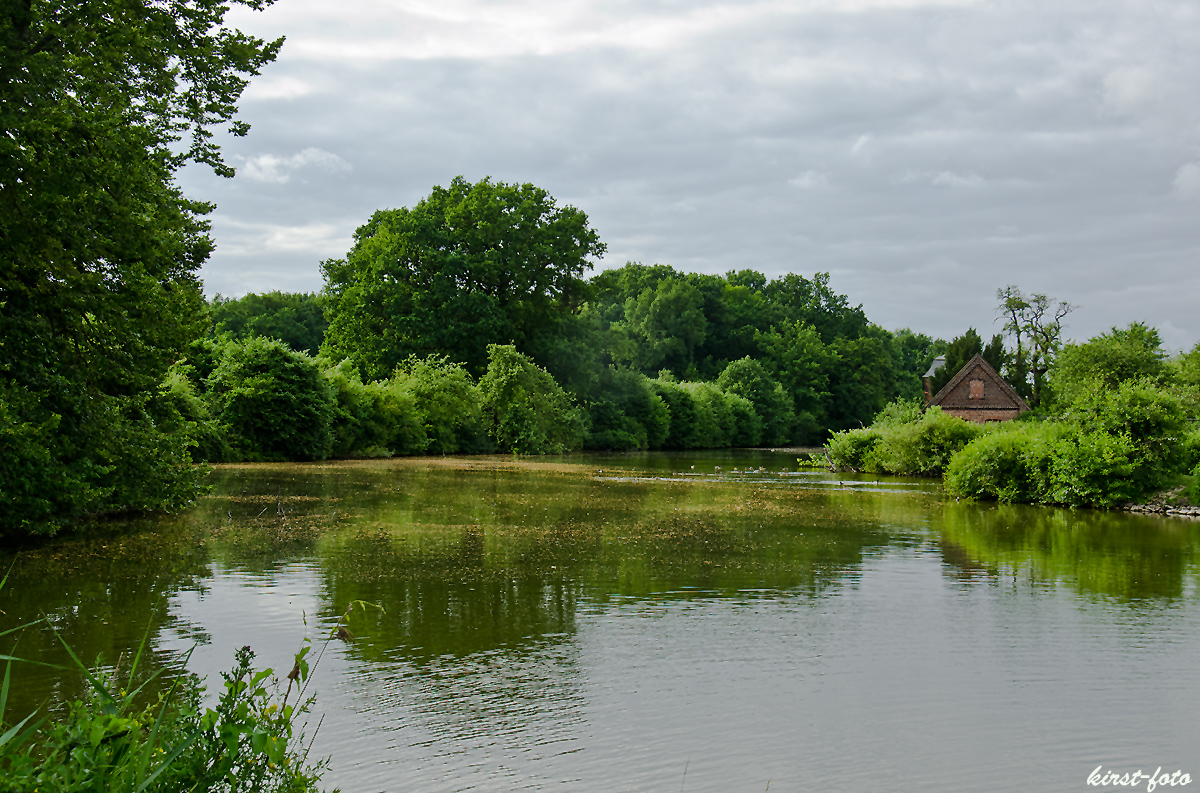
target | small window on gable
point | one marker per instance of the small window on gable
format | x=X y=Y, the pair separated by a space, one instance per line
x=976 y=389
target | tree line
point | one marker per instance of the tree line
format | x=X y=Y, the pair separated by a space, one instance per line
x=467 y=322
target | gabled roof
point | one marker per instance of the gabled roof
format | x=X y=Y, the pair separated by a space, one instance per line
x=978 y=366
x=938 y=363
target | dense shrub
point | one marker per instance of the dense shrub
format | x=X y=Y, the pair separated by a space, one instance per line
x=524 y=410
x=898 y=444
x=715 y=424
x=1150 y=418
x=181 y=408
x=681 y=432
x=1093 y=469
x=627 y=412
x=747 y=424
x=41 y=490
x=276 y=403
x=920 y=448
x=372 y=419
x=1010 y=464
x=448 y=403
x=1115 y=446
x=747 y=378
x=1106 y=361
x=849 y=449
x=1190 y=450
x=901 y=411
x=133 y=461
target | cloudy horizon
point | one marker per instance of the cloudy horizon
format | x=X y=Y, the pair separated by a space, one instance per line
x=923 y=152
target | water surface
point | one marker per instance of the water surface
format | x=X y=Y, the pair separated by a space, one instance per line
x=652 y=623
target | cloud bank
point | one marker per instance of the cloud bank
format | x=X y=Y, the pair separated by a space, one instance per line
x=924 y=153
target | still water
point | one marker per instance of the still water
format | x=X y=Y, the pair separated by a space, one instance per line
x=652 y=623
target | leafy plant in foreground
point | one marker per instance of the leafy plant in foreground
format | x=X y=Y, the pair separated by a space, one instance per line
x=111 y=739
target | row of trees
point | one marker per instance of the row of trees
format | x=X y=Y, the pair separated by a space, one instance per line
x=491 y=263
x=806 y=359
x=258 y=399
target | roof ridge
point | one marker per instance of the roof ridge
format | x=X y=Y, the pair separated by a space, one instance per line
x=978 y=361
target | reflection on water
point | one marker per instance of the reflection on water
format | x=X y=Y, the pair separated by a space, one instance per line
x=606 y=623
x=1124 y=556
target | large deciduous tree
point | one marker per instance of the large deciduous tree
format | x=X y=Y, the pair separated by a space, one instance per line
x=1036 y=319
x=101 y=102
x=471 y=265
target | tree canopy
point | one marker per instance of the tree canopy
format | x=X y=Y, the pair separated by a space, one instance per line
x=295 y=318
x=100 y=104
x=1108 y=360
x=469 y=266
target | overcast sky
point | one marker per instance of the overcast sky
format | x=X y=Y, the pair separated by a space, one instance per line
x=923 y=152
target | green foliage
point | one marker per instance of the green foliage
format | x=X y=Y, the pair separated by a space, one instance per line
x=920 y=448
x=772 y=406
x=901 y=411
x=469 y=266
x=1045 y=463
x=703 y=416
x=849 y=450
x=448 y=403
x=1151 y=419
x=1107 y=361
x=108 y=741
x=866 y=376
x=297 y=319
x=715 y=424
x=1186 y=369
x=747 y=429
x=662 y=328
x=1094 y=469
x=1115 y=445
x=796 y=357
x=572 y=349
x=182 y=409
x=410 y=285
x=101 y=103
x=627 y=413
x=681 y=406
x=1190 y=450
x=524 y=410
x=1008 y=465
x=371 y=419
x=129 y=463
x=812 y=302
x=275 y=403
x=917 y=351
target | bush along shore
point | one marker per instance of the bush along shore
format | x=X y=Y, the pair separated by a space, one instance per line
x=1119 y=432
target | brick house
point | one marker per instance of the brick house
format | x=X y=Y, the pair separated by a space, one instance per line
x=977 y=393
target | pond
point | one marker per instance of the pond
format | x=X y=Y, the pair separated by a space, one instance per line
x=703 y=622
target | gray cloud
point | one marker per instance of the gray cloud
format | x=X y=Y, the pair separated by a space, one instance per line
x=923 y=153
